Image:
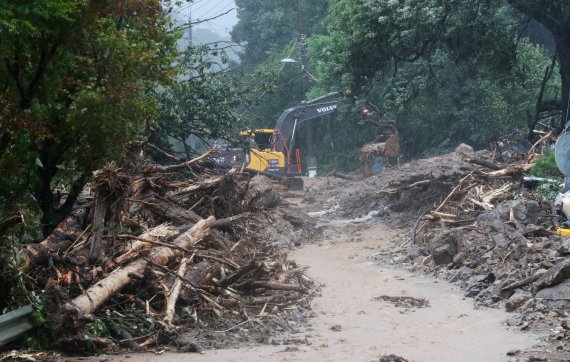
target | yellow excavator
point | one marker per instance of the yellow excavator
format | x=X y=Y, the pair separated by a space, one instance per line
x=273 y=151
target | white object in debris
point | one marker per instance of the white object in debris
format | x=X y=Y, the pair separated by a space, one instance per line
x=562 y=202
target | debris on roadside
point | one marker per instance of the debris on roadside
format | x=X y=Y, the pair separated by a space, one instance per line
x=404 y=302
x=477 y=220
x=154 y=253
x=389 y=358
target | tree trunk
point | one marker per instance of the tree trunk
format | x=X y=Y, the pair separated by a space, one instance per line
x=58 y=241
x=97 y=247
x=562 y=39
x=554 y=16
x=89 y=301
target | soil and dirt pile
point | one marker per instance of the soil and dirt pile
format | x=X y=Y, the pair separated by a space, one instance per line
x=474 y=221
x=157 y=256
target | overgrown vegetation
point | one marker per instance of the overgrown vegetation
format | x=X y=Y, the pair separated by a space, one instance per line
x=448 y=72
x=546 y=166
x=83 y=83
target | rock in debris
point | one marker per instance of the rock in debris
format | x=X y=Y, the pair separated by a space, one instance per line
x=298 y=217
x=557 y=292
x=464 y=149
x=187 y=343
x=336 y=328
x=414 y=252
x=261 y=195
x=389 y=358
x=444 y=254
x=513 y=352
x=524 y=211
x=564 y=248
x=516 y=301
x=553 y=276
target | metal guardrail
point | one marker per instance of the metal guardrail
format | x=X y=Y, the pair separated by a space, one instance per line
x=15 y=323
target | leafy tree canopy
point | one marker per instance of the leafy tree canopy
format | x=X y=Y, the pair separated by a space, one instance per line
x=273 y=24
x=372 y=37
x=555 y=16
x=81 y=80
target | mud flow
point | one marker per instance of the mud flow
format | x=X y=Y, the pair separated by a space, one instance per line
x=356 y=316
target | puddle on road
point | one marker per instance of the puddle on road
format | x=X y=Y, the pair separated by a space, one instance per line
x=340 y=222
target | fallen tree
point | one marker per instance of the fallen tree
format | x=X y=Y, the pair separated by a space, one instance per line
x=151 y=242
x=162 y=255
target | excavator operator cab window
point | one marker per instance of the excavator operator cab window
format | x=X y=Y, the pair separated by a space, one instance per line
x=263 y=140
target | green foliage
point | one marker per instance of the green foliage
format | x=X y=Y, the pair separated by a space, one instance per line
x=371 y=38
x=265 y=25
x=548 y=191
x=553 y=15
x=458 y=103
x=79 y=84
x=98 y=328
x=18 y=288
x=201 y=105
x=132 y=320
x=448 y=72
x=270 y=30
x=545 y=166
x=39 y=338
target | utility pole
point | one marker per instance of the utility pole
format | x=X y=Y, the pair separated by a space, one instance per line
x=189 y=27
x=304 y=63
x=310 y=130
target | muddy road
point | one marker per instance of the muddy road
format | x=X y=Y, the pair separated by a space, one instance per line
x=356 y=318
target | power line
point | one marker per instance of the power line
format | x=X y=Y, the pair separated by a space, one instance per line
x=183 y=8
x=213 y=9
x=202 y=6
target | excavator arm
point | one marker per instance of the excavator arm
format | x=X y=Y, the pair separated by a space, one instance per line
x=293 y=117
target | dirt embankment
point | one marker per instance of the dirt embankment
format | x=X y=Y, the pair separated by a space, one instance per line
x=476 y=227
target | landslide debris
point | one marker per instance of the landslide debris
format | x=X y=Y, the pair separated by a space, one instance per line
x=158 y=257
x=472 y=220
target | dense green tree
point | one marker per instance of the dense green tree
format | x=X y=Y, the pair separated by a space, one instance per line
x=375 y=37
x=264 y=25
x=555 y=16
x=199 y=108
x=77 y=84
x=448 y=71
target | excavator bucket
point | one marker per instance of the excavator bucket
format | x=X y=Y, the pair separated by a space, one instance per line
x=294 y=183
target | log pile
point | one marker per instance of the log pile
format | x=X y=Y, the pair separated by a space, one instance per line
x=157 y=252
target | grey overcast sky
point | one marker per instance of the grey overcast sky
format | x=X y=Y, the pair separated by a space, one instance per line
x=206 y=9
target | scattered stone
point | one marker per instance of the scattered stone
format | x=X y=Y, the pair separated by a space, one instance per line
x=555 y=275
x=516 y=301
x=464 y=149
x=404 y=302
x=443 y=254
x=389 y=358
x=415 y=252
x=291 y=349
x=557 y=292
x=336 y=328
x=564 y=248
x=513 y=352
x=297 y=217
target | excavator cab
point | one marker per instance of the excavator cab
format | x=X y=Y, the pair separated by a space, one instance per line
x=264 y=157
x=263 y=140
